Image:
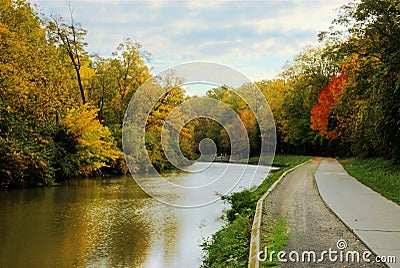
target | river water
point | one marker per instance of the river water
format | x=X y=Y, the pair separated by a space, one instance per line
x=109 y=223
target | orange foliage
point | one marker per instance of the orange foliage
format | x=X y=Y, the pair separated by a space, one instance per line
x=327 y=98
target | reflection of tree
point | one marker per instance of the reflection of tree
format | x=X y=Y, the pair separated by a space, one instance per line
x=105 y=229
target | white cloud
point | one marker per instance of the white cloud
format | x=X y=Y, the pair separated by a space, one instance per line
x=245 y=34
x=310 y=16
x=197 y=4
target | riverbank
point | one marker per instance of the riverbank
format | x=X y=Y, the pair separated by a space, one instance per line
x=229 y=247
x=381 y=175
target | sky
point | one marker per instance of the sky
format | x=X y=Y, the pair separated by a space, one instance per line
x=256 y=38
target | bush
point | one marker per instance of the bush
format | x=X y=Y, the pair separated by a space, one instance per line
x=229 y=247
x=25 y=158
x=24 y=165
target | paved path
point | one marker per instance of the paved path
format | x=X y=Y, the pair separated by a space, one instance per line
x=312 y=226
x=373 y=218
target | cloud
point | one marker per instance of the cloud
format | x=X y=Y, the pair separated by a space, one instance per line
x=307 y=16
x=245 y=34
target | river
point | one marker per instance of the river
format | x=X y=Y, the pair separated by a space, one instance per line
x=109 y=223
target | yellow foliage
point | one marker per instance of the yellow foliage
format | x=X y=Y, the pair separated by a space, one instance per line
x=95 y=144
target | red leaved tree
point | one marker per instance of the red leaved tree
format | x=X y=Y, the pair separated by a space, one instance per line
x=327 y=98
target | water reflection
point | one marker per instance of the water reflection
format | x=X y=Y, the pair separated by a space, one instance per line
x=86 y=223
x=102 y=223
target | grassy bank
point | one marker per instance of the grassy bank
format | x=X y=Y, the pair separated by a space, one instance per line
x=381 y=175
x=229 y=247
x=273 y=238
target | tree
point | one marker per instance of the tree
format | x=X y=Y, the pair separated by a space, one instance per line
x=28 y=101
x=371 y=33
x=34 y=80
x=131 y=71
x=70 y=36
x=275 y=91
x=321 y=113
x=102 y=88
x=174 y=96
x=305 y=77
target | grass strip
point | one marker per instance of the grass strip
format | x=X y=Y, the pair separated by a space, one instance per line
x=381 y=175
x=273 y=239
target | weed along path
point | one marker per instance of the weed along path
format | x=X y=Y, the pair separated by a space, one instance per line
x=317 y=238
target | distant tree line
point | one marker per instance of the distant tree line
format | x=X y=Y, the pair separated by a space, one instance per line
x=340 y=98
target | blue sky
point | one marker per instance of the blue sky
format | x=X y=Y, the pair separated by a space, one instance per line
x=255 y=37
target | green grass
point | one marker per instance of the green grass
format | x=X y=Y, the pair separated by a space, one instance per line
x=273 y=238
x=229 y=247
x=381 y=175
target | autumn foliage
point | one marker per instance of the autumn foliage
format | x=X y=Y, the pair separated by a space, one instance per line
x=327 y=98
x=94 y=146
